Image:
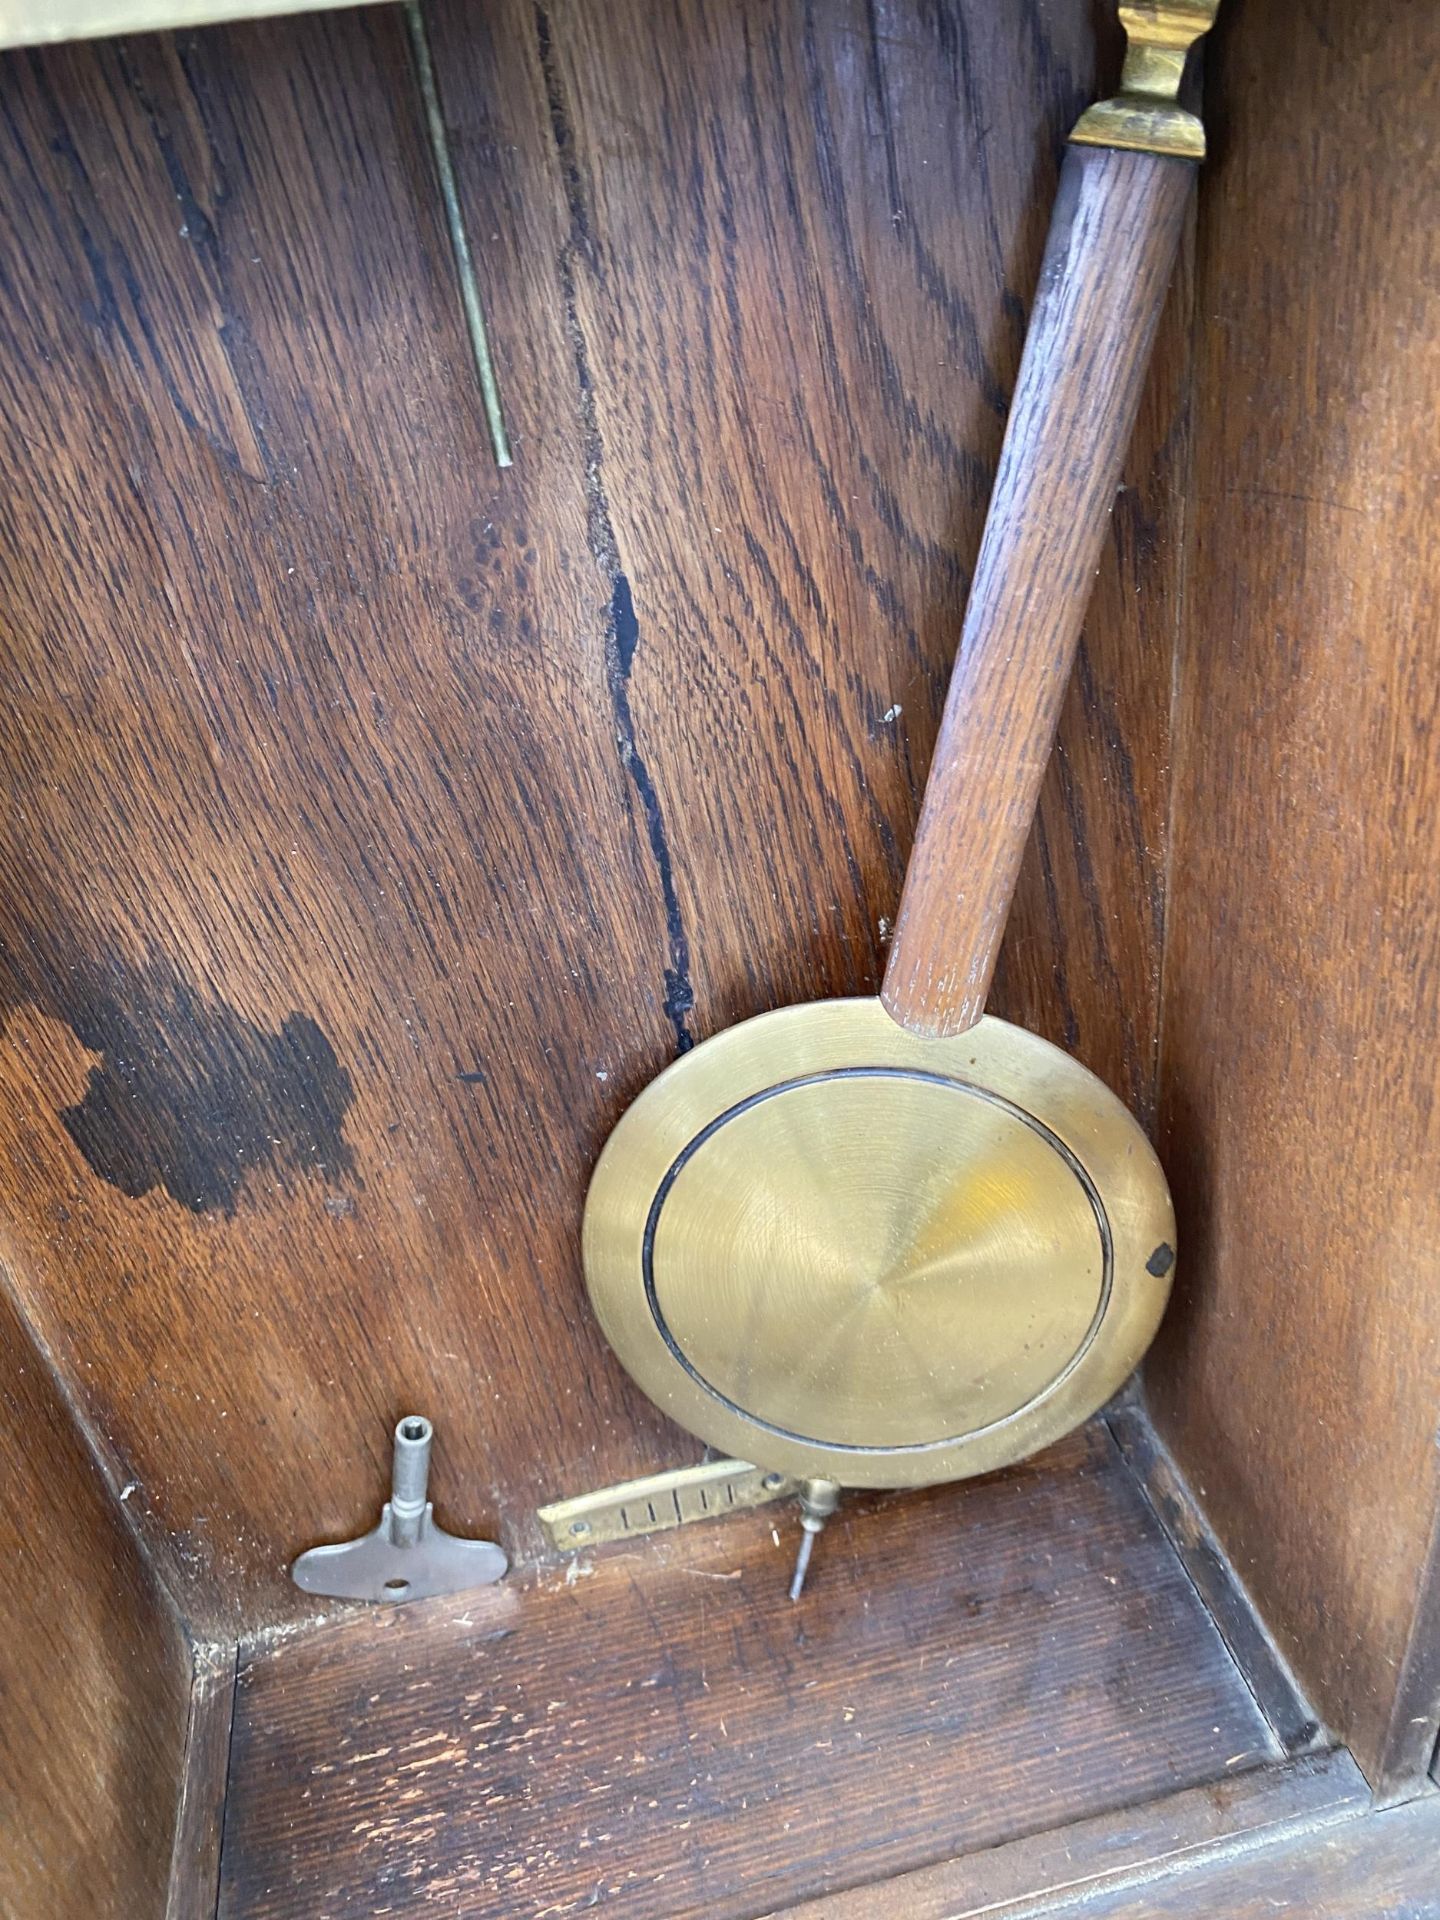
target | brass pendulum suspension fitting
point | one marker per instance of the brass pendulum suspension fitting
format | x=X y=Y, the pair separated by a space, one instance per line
x=1146 y=114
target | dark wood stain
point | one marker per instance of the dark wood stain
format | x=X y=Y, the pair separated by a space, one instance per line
x=512 y=785
x=659 y=1730
x=1298 y=1375
x=188 y=1094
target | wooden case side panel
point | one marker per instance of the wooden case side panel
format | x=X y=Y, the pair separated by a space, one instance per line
x=94 y=1675
x=1298 y=1374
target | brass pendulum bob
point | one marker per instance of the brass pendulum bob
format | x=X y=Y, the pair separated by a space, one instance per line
x=894 y=1242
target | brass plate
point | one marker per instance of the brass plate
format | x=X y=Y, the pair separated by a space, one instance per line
x=660 y=1501
x=829 y=1247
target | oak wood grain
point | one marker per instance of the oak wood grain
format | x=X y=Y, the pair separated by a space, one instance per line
x=379 y=824
x=657 y=1728
x=1379 y=1867
x=1081 y=957
x=1113 y=1853
x=94 y=1674
x=1298 y=1375
x=1291 y=1716
x=194 y=1887
x=1113 y=240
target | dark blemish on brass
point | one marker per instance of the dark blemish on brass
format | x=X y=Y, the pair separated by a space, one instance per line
x=1161 y=1261
x=191 y=1096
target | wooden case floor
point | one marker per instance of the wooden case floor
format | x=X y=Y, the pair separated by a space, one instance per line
x=655 y=1730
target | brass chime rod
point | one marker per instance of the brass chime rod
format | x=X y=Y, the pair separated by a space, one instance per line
x=459 y=237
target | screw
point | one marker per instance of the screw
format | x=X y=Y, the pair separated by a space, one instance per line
x=772 y=1481
x=579 y=1528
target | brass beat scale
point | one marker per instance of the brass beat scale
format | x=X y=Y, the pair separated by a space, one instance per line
x=887 y=1243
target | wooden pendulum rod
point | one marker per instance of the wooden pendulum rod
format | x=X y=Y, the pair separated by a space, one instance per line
x=1124 y=188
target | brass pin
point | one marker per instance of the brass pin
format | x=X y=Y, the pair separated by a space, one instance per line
x=818 y=1500
x=459 y=238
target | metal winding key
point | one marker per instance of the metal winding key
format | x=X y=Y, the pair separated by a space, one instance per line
x=407 y=1556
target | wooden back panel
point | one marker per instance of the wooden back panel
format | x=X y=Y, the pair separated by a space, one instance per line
x=1298 y=1375
x=380 y=824
x=94 y=1675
